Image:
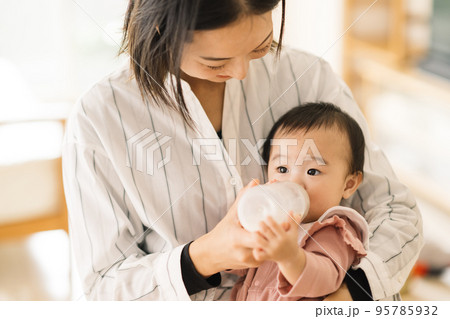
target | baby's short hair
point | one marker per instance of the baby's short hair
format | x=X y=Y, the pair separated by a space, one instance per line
x=314 y=116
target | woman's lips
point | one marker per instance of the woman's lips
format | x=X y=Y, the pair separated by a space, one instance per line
x=223 y=76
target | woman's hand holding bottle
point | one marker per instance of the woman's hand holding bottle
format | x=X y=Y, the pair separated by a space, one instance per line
x=227 y=246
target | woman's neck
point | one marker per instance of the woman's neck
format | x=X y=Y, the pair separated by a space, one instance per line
x=210 y=95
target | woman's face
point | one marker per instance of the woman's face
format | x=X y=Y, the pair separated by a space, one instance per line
x=220 y=54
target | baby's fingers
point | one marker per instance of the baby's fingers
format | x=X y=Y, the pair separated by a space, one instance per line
x=274 y=226
x=265 y=230
x=260 y=239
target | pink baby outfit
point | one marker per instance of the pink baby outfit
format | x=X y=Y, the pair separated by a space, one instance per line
x=332 y=245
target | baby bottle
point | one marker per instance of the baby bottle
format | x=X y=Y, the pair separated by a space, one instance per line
x=275 y=200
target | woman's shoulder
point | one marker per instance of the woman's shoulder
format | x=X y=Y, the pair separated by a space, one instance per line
x=307 y=71
x=296 y=76
x=103 y=107
x=293 y=60
x=117 y=82
x=104 y=95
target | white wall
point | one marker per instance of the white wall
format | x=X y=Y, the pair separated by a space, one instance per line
x=314 y=26
x=60 y=48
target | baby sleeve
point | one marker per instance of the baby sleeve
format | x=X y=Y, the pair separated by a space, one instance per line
x=331 y=247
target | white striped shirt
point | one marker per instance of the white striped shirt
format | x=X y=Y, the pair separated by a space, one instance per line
x=138 y=191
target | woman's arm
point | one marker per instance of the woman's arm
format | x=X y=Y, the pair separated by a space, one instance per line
x=106 y=235
x=227 y=246
x=126 y=250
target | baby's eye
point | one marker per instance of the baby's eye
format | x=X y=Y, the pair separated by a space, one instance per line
x=282 y=170
x=313 y=172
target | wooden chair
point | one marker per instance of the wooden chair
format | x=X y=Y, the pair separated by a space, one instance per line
x=32 y=196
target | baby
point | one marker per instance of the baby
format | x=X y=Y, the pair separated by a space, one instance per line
x=308 y=261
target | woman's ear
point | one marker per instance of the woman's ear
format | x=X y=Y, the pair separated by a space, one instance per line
x=352 y=182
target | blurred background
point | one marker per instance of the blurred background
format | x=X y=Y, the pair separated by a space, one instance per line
x=394 y=55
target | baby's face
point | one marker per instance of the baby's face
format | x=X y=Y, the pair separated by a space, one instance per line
x=317 y=160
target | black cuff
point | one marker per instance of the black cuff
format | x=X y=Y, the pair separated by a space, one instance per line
x=358 y=285
x=193 y=281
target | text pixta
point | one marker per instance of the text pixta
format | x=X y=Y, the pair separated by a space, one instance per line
x=337 y=311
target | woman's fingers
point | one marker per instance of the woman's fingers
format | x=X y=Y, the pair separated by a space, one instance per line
x=260 y=239
x=298 y=219
x=251 y=184
x=232 y=212
x=243 y=238
x=259 y=254
x=286 y=226
x=294 y=219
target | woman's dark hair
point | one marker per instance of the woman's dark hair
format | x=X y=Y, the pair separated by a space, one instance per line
x=314 y=116
x=155 y=32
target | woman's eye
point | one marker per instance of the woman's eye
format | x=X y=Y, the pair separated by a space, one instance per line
x=262 y=50
x=313 y=172
x=215 y=67
x=282 y=170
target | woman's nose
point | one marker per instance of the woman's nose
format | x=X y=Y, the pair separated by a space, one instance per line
x=239 y=68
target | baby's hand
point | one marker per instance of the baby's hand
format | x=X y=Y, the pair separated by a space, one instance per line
x=277 y=242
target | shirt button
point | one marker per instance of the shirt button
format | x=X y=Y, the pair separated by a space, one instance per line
x=256 y=283
x=399 y=279
x=233 y=181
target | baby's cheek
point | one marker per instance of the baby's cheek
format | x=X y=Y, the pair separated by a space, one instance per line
x=314 y=213
x=317 y=205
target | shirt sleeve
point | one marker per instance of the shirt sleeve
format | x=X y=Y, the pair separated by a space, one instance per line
x=358 y=285
x=387 y=205
x=193 y=281
x=108 y=235
x=106 y=242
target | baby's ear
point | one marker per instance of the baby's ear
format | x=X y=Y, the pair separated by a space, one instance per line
x=352 y=182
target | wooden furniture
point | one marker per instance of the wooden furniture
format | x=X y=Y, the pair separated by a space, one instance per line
x=381 y=55
x=383 y=52
x=392 y=33
x=31 y=196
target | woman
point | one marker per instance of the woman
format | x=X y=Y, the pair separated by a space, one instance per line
x=152 y=190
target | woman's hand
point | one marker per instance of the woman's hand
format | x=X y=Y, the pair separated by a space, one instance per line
x=342 y=294
x=227 y=246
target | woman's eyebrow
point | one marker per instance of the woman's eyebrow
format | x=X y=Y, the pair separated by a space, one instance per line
x=221 y=59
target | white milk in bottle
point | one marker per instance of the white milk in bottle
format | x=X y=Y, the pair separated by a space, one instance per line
x=274 y=199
